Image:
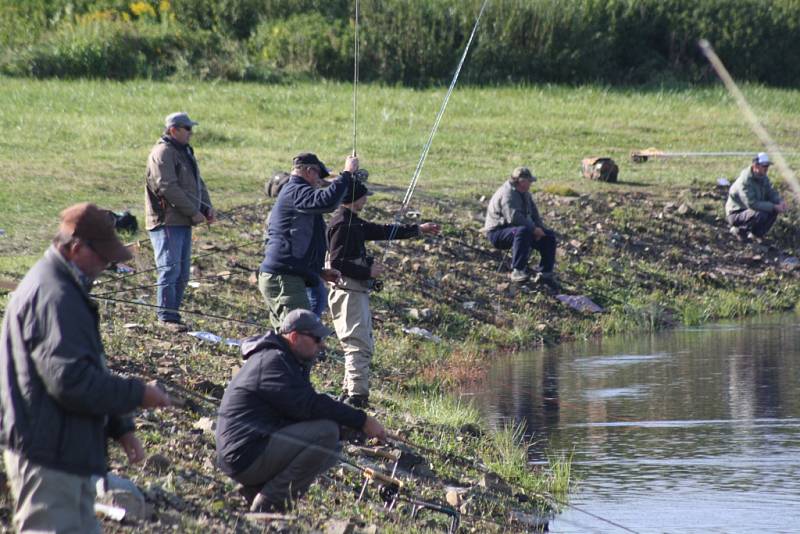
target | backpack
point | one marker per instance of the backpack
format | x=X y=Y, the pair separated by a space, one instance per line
x=276 y=183
x=126 y=221
x=603 y=169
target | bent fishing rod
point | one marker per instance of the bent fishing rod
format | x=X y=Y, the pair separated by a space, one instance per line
x=426 y=148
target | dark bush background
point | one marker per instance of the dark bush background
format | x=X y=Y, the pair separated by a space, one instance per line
x=411 y=42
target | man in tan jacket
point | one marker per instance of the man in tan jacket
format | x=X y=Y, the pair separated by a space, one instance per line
x=176 y=198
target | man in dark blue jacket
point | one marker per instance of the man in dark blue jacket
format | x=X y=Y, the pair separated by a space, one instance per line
x=275 y=433
x=295 y=250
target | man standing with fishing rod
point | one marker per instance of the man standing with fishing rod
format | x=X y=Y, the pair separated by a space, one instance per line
x=349 y=300
x=294 y=255
x=176 y=198
x=58 y=401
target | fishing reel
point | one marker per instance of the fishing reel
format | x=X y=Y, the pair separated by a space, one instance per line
x=361 y=175
x=375 y=285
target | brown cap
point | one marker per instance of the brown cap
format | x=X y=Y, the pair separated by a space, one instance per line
x=523 y=172
x=95 y=226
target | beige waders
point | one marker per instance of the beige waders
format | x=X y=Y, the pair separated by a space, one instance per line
x=352 y=319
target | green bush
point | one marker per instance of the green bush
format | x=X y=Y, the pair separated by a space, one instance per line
x=414 y=42
x=124 y=50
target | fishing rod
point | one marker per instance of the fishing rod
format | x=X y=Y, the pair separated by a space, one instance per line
x=191 y=312
x=218 y=276
x=236 y=246
x=755 y=124
x=355 y=78
x=426 y=148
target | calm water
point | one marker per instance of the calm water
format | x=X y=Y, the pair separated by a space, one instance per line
x=696 y=430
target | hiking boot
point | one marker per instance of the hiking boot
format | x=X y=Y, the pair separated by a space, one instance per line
x=357 y=401
x=263 y=505
x=174 y=326
x=549 y=280
x=740 y=234
x=518 y=276
x=249 y=493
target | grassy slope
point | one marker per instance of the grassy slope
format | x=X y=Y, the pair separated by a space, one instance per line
x=648 y=265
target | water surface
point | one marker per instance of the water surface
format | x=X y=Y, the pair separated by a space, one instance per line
x=695 y=430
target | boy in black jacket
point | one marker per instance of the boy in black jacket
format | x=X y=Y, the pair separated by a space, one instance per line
x=349 y=299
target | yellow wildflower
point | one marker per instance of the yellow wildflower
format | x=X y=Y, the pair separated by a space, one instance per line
x=142 y=9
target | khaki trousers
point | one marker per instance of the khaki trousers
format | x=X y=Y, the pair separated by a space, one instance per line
x=282 y=293
x=352 y=319
x=50 y=501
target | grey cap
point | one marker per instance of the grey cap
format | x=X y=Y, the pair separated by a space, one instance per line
x=178 y=119
x=304 y=322
x=523 y=172
x=762 y=158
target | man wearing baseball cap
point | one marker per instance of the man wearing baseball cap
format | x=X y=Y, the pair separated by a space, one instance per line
x=294 y=255
x=753 y=204
x=513 y=222
x=176 y=198
x=59 y=402
x=349 y=300
x=275 y=434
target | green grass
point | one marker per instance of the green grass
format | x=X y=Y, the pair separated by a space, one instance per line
x=68 y=141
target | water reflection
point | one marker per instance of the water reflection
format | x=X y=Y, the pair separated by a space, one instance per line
x=694 y=431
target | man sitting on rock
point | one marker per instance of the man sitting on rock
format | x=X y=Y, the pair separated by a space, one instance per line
x=275 y=433
x=513 y=222
x=753 y=204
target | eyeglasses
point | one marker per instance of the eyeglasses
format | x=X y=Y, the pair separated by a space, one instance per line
x=187 y=128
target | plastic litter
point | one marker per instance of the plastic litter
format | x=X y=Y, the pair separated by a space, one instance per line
x=193 y=284
x=582 y=303
x=422 y=332
x=723 y=182
x=214 y=338
x=124 y=269
x=2 y=232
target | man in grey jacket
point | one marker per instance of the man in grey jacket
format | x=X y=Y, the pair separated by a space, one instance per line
x=512 y=221
x=58 y=401
x=753 y=204
x=175 y=198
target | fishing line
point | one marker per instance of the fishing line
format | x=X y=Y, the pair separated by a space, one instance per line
x=191 y=312
x=193 y=279
x=426 y=148
x=236 y=246
x=755 y=125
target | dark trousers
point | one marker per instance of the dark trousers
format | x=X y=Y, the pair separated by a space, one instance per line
x=520 y=240
x=293 y=458
x=756 y=222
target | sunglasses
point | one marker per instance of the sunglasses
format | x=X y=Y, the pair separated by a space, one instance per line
x=317 y=339
x=187 y=128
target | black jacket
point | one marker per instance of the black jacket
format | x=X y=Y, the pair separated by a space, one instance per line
x=347 y=234
x=272 y=390
x=59 y=402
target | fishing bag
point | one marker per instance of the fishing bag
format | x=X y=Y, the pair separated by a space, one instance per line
x=602 y=169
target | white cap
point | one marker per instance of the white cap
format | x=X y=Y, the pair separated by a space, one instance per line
x=762 y=158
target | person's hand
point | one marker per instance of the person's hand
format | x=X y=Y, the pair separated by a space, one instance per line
x=373 y=429
x=781 y=207
x=132 y=447
x=429 y=228
x=198 y=218
x=351 y=164
x=538 y=233
x=331 y=275
x=375 y=270
x=211 y=215
x=155 y=397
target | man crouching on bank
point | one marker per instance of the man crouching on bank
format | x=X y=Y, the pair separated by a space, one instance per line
x=275 y=433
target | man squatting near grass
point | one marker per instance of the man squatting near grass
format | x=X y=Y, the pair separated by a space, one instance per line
x=295 y=251
x=512 y=221
x=753 y=204
x=175 y=199
x=58 y=401
x=275 y=433
x=349 y=299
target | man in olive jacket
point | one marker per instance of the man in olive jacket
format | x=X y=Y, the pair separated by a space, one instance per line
x=176 y=198
x=58 y=401
x=753 y=204
x=512 y=221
